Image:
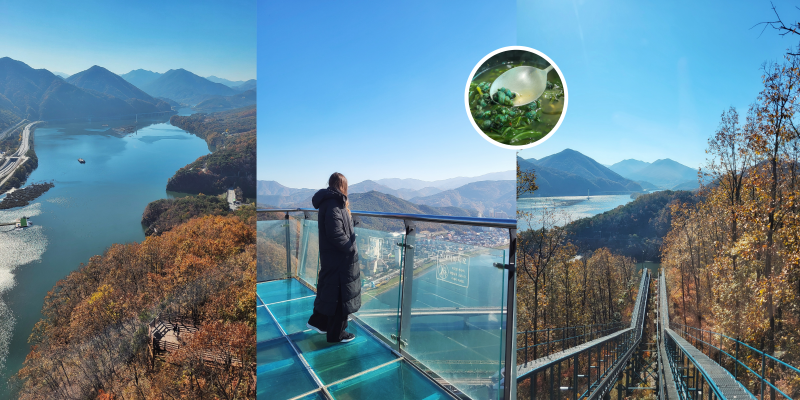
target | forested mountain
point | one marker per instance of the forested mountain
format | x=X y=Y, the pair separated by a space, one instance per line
x=221 y=103
x=232 y=135
x=634 y=230
x=185 y=87
x=140 y=77
x=163 y=215
x=37 y=94
x=94 y=328
x=104 y=81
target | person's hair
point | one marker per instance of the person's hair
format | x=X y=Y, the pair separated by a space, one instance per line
x=338 y=182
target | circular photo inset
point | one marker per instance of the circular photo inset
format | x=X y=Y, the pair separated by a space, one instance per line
x=516 y=97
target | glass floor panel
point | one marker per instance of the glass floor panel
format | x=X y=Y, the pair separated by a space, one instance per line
x=336 y=361
x=282 y=290
x=265 y=326
x=395 y=381
x=280 y=374
x=293 y=315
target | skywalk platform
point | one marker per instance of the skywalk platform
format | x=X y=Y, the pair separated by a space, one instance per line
x=297 y=363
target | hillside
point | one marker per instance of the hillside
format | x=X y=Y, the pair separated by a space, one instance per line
x=185 y=87
x=221 y=103
x=247 y=85
x=140 y=77
x=163 y=215
x=93 y=331
x=376 y=201
x=634 y=230
x=37 y=94
x=575 y=163
x=104 y=81
x=232 y=135
x=688 y=185
x=481 y=196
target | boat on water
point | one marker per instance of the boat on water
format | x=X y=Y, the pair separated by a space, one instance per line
x=82 y=161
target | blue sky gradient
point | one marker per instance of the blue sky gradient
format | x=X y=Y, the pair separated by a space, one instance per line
x=205 y=37
x=650 y=80
x=374 y=89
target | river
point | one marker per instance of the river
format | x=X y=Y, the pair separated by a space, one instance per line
x=92 y=206
x=564 y=209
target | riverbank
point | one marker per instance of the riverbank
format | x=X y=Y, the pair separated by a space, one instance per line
x=23 y=197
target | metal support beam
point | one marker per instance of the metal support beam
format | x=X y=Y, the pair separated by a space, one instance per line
x=510 y=391
x=288 y=247
x=408 y=284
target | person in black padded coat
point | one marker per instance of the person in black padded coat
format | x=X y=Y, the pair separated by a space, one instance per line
x=339 y=282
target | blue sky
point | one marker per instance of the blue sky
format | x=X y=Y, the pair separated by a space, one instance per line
x=205 y=37
x=374 y=89
x=650 y=80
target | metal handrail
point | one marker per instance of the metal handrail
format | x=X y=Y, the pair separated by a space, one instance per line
x=736 y=357
x=444 y=219
x=708 y=380
x=630 y=338
x=592 y=334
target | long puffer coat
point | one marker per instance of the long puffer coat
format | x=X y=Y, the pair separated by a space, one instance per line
x=339 y=273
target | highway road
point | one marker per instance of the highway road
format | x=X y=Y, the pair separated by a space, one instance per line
x=18 y=157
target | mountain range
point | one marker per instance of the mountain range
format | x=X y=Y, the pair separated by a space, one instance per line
x=480 y=197
x=405 y=194
x=444 y=184
x=238 y=85
x=38 y=94
x=666 y=173
x=570 y=173
x=185 y=87
x=104 y=81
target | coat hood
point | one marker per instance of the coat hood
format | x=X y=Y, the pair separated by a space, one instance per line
x=325 y=194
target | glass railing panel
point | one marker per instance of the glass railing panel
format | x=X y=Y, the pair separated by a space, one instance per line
x=271 y=241
x=380 y=259
x=281 y=290
x=396 y=381
x=333 y=362
x=280 y=374
x=457 y=320
x=265 y=326
x=308 y=270
x=293 y=315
